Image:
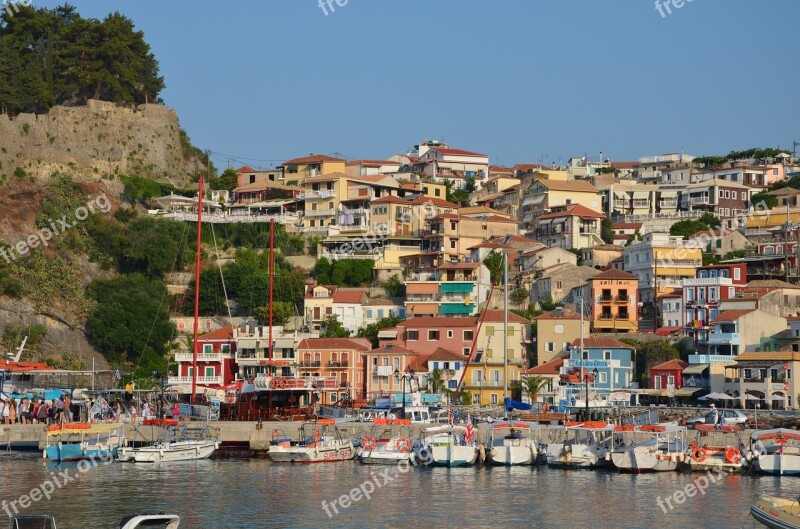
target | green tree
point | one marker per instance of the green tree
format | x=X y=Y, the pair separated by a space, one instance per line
x=710 y=220
x=129 y=319
x=229 y=180
x=494 y=262
x=395 y=287
x=282 y=313
x=687 y=228
x=607 y=230
x=371 y=331
x=533 y=385
x=322 y=271
x=649 y=353
x=769 y=201
x=519 y=296
x=332 y=328
x=435 y=382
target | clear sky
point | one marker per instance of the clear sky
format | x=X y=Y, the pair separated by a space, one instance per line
x=519 y=80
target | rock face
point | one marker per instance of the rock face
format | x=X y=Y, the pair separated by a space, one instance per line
x=62 y=335
x=100 y=138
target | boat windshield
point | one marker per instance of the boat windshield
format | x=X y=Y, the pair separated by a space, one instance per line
x=33 y=522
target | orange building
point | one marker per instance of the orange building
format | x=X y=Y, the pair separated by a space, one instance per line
x=614 y=303
x=339 y=358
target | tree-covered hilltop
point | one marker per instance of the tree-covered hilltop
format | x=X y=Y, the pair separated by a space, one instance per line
x=54 y=57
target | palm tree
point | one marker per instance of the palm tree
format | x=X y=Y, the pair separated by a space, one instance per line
x=435 y=381
x=533 y=386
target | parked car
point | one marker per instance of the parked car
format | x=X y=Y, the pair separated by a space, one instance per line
x=736 y=417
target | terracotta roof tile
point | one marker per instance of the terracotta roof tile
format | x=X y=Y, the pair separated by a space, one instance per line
x=675 y=364
x=600 y=342
x=731 y=315
x=615 y=274
x=313 y=158
x=360 y=344
x=350 y=296
x=553 y=367
x=225 y=333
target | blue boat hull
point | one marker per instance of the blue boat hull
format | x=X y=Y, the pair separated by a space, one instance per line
x=73 y=452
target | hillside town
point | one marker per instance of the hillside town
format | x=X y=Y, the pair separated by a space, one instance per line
x=667 y=247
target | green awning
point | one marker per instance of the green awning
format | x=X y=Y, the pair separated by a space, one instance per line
x=453 y=287
x=292 y=167
x=456 y=308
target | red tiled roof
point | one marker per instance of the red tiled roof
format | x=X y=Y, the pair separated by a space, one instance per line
x=615 y=274
x=442 y=354
x=553 y=367
x=313 y=158
x=361 y=344
x=447 y=216
x=392 y=349
x=573 y=210
x=731 y=315
x=497 y=218
x=456 y=152
x=559 y=315
x=310 y=290
x=672 y=365
x=459 y=266
x=624 y=165
x=528 y=166
x=600 y=342
x=434 y=201
x=245 y=169
x=377 y=163
x=25 y=367
x=349 y=296
x=225 y=333
x=489 y=244
x=390 y=199
x=626 y=225
x=438 y=321
x=497 y=316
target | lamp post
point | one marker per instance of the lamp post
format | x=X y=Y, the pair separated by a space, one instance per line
x=586 y=380
x=404 y=376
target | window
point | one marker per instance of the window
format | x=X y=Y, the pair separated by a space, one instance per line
x=713 y=294
x=465 y=350
x=412 y=335
x=550 y=347
x=511 y=331
x=671 y=380
x=369 y=313
x=733 y=195
x=606 y=355
x=210 y=372
x=585 y=355
x=493 y=399
x=689 y=294
x=603 y=378
x=452 y=225
x=489 y=330
x=208 y=348
x=436 y=192
x=452 y=243
x=558 y=284
x=468 y=336
x=449 y=334
x=476 y=399
x=558 y=329
x=736 y=274
x=433 y=335
x=380 y=313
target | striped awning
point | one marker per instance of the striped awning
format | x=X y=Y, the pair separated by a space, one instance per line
x=696 y=369
x=387 y=334
x=247 y=344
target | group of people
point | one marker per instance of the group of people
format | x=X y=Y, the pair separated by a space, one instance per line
x=36 y=410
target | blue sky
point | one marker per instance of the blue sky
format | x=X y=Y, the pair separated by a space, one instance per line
x=520 y=80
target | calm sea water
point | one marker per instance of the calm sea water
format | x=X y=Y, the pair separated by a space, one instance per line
x=239 y=493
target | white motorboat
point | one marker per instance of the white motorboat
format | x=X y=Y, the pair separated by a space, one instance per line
x=511 y=444
x=448 y=446
x=663 y=450
x=320 y=442
x=180 y=444
x=388 y=443
x=726 y=454
x=586 y=445
x=157 y=521
x=776 y=452
x=776 y=513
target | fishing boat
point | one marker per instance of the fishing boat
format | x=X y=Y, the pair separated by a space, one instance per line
x=388 y=443
x=320 y=442
x=776 y=452
x=663 y=451
x=727 y=455
x=511 y=444
x=776 y=513
x=78 y=441
x=449 y=446
x=159 y=521
x=180 y=444
x=585 y=445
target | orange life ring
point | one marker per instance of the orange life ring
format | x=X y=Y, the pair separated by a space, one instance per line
x=545 y=407
x=283 y=383
x=595 y=424
x=77 y=426
x=780 y=441
x=273 y=383
x=653 y=428
x=54 y=428
x=368 y=442
x=624 y=428
x=699 y=455
x=732 y=455
x=403 y=444
x=317 y=435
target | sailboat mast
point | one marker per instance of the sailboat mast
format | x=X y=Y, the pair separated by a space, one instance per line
x=505 y=327
x=197 y=287
x=271 y=280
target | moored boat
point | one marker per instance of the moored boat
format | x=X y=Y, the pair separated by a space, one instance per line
x=776 y=513
x=78 y=441
x=388 y=443
x=450 y=446
x=320 y=441
x=726 y=455
x=663 y=451
x=511 y=443
x=585 y=445
x=776 y=452
x=180 y=444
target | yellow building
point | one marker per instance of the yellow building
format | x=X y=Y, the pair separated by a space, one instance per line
x=485 y=374
x=544 y=194
x=555 y=330
x=297 y=170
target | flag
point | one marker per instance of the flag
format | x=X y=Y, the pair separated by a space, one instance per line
x=470 y=430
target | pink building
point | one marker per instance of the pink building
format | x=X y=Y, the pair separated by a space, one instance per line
x=426 y=334
x=702 y=295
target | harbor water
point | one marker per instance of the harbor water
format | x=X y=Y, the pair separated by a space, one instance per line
x=239 y=493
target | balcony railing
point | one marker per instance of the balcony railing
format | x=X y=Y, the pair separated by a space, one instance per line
x=622 y=299
x=320 y=212
x=200 y=380
x=315 y=194
x=309 y=363
x=723 y=337
x=205 y=357
x=353 y=227
x=334 y=363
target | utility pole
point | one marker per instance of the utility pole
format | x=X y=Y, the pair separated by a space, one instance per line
x=786 y=228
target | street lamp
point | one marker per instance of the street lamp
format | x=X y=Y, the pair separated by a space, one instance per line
x=408 y=375
x=586 y=380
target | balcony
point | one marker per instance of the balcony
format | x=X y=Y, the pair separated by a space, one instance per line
x=315 y=194
x=622 y=299
x=334 y=364
x=205 y=357
x=353 y=227
x=606 y=299
x=707 y=281
x=316 y=228
x=308 y=364
x=320 y=212
x=723 y=338
x=698 y=201
x=216 y=380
